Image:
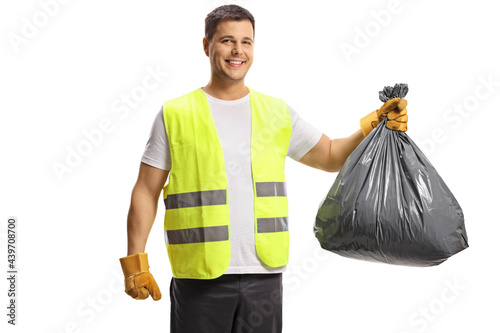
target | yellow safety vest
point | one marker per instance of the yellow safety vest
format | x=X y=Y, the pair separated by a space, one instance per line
x=196 y=224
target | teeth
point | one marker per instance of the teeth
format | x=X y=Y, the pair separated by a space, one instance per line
x=236 y=62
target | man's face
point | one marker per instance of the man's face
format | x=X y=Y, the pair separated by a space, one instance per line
x=231 y=50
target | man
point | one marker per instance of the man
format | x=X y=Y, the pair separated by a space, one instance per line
x=226 y=220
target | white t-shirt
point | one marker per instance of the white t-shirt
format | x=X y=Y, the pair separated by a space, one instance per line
x=232 y=121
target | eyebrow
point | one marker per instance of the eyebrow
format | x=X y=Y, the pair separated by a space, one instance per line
x=231 y=36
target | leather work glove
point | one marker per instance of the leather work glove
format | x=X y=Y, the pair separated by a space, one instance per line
x=139 y=283
x=395 y=112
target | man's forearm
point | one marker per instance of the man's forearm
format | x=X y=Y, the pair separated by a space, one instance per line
x=140 y=219
x=340 y=149
x=330 y=155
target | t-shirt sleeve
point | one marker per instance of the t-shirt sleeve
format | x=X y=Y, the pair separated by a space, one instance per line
x=304 y=136
x=157 y=152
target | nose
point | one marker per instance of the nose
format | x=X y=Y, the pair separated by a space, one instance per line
x=237 y=48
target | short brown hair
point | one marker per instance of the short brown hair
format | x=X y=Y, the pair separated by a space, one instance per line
x=226 y=13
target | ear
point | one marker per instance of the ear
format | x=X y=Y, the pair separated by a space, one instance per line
x=205 y=46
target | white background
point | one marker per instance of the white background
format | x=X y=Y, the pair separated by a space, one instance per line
x=70 y=72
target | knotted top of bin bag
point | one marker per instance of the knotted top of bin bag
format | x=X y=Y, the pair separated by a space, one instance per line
x=399 y=90
x=388 y=204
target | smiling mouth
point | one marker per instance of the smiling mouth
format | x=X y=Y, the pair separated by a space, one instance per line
x=235 y=63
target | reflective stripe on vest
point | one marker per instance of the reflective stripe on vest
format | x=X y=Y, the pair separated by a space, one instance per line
x=194 y=199
x=272 y=224
x=270 y=189
x=197 y=233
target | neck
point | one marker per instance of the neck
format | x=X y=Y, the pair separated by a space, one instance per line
x=226 y=90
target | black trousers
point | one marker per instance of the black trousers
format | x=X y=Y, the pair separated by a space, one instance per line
x=232 y=303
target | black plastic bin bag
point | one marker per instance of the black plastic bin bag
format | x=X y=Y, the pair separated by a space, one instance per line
x=388 y=204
